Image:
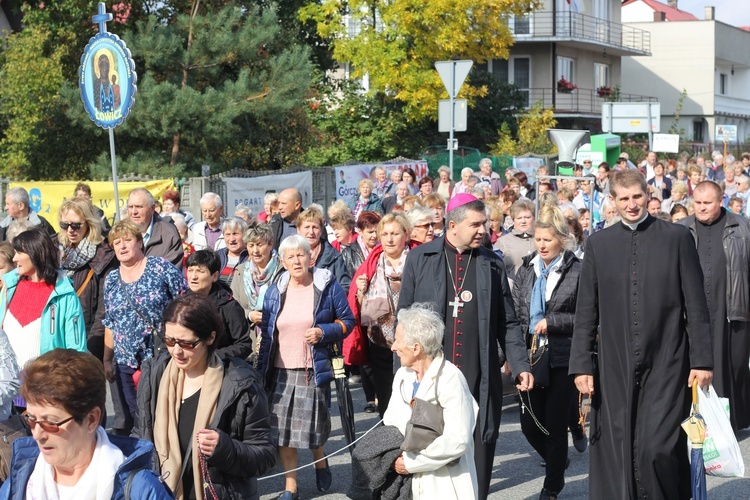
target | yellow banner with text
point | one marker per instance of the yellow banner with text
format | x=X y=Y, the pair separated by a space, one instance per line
x=46 y=197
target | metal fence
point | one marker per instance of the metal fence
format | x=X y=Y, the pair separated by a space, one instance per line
x=578 y=100
x=323 y=188
x=577 y=26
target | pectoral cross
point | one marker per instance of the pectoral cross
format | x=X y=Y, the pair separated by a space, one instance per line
x=456 y=304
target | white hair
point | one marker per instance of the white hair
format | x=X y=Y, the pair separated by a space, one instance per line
x=478 y=191
x=211 y=198
x=270 y=197
x=294 y=243
x=243 y=211
x=419 y=215
x=422 y=325
x=178 y=220
x=234 y=224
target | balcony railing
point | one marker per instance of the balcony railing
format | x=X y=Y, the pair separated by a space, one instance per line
x=580 y=27
x=579 y=101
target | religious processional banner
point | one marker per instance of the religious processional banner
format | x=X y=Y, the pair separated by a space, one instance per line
x=348 y=176
x=46 y=197
x=249 y=191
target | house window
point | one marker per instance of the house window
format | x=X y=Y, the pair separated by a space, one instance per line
x=601 y=9
x=698 y=131
x=500 y=70
x=522 y=72
x=566 y=69
x=520 y=25
x=723 y=84
x=516 y=70
x=601 y=75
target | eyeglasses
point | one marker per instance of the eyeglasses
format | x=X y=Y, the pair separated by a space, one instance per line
x=184 y=344
x=75 y=226
x=53 y=427
x=428 y=225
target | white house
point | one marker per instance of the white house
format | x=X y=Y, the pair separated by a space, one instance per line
x=582 y=41
x=706 y=58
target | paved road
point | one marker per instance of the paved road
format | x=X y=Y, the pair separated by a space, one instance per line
x=516 y=475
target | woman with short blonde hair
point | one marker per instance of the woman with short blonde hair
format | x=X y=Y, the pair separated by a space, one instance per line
x=310 y=225
x=373 y=299
x=544 y=293
x=365 y=199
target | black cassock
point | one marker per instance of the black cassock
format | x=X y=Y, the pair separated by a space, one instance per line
x=642 y=292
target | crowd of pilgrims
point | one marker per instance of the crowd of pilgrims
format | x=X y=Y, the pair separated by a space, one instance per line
x=223 y=328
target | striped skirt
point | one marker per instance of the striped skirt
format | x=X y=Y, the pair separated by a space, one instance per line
x=299 y=415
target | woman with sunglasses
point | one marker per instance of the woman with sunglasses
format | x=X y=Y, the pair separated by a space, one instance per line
x=39 y=308
x=69 y=455
x=422 y=220
x=86 y=259
x=135 y=296
x=207 y=417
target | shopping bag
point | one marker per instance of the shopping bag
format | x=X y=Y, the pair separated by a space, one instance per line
x=721 y=452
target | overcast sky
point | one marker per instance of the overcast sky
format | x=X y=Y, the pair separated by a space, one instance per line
x=734 y=12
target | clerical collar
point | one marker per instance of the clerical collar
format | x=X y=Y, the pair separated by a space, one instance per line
x=718 y=220
x=634 y=226
x=451 y=248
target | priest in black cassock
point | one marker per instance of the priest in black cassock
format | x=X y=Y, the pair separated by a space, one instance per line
x=468 y=287
x=641 y=292
x=723 y=241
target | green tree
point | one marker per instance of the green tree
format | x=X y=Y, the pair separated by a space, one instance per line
x=531 y=136
x=35 y=140
x=208 y=80
x=397 y=43
x=498 y=107
x=351 y=125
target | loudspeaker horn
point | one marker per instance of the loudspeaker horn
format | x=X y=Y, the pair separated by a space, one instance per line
x=567 y=142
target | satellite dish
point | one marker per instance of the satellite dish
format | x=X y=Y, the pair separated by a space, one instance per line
x=567 y=142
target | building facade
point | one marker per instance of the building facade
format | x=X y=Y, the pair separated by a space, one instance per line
x=705 y=58
x=568 y=54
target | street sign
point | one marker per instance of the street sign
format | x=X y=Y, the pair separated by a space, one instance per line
x=452 y=114
x=453 y=74
x=726 y=133
x=459 y=117
x=631 y=117
x=666 y=143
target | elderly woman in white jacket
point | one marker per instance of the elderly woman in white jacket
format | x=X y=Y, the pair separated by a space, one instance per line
x=444 y=469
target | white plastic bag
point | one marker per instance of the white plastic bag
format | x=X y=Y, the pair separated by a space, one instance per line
x=721 y=452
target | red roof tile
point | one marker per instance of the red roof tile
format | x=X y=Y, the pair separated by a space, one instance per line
x=672 y=14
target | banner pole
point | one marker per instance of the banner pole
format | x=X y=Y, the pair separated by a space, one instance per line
x=114 y=173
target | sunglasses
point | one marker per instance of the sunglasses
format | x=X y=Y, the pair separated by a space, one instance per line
x=184 y=344
x=425 y=226
x=73 y=225
x=47 y=426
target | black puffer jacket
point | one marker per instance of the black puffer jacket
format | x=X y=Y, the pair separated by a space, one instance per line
x=331 y=259
x=236 y=338
x=561 y=307
x=245 y=450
